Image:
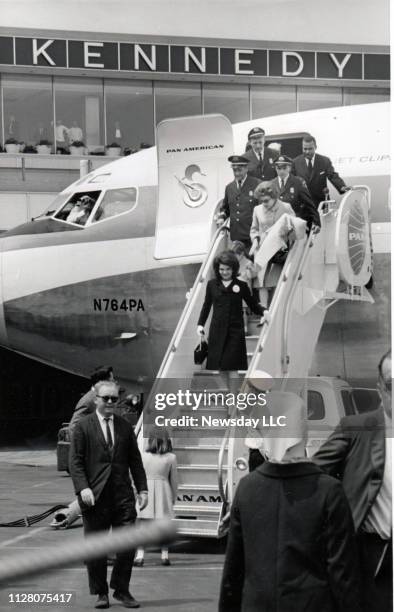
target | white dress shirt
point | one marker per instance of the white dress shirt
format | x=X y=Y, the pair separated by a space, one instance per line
x=312 y=161
x=379 y=518
x=242 y=181
x=104 y=426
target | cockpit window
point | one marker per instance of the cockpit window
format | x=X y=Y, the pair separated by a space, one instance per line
x=52 y=208
x=115 y=202
x=78 y=208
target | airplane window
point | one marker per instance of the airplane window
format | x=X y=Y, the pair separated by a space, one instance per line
x=116 y=202
x=348 y=403
x=366 y=400
x=78 y=208
x=315 y=408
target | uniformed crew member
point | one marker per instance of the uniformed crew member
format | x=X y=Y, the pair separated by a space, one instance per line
x=315 y=169
x=260 y=159
x=239 y=201
x=293 y=190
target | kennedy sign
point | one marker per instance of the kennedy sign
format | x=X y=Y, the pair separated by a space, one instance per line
x=141 y=57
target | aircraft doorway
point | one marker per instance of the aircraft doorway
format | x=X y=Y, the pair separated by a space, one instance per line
x=289 y=144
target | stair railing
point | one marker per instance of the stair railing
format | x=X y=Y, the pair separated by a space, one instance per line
x=287 y=275
x=188 y=309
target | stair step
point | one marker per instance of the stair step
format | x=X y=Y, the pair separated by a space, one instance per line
x=201 y=475
x=188 y=438
x=197 y=528
x=198 y=466
x=200 y=509
x=196 y=447
x=198 y=494
x=197 y=487
x=199 y=455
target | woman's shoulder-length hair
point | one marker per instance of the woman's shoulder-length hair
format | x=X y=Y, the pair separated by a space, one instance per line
x=226 y=258
x=159 y=445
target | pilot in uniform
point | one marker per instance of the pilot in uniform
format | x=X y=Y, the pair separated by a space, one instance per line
x=293 y=190
x=261 y=160
x=239 y=201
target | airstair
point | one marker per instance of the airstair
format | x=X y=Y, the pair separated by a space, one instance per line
x=321 y=268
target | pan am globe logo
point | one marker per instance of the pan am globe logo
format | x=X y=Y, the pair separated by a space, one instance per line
x=356 y=237
x=194 y=193
x=353 y=238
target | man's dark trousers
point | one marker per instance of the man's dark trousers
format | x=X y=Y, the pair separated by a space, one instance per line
x=107 y=512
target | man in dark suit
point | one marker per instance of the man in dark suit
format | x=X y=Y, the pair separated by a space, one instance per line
x=103 y=450
x=260 y=159
x=315 y=169
x=359 y=453
x=239 y=201
x=293 y=190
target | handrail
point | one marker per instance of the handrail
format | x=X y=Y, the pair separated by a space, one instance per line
x=191 y=300
x=220 y=464
x=184 y=316
x=286 y=319
x=282 y=280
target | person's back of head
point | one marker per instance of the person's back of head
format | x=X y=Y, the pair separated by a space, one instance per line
x=159 y=442
x=103 y=372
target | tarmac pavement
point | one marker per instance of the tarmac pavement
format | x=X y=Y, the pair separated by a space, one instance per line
x=30 y=484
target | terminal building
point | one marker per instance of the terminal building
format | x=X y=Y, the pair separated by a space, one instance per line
x=105 y=83
x=102 y=74
x=114 y=89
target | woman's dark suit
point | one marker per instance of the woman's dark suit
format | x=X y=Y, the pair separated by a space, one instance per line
x=226 y=342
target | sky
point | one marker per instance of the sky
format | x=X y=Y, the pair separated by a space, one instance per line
x=323 y=21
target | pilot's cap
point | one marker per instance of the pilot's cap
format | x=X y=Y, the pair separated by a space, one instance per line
x=283 y=160
x=237 y=160
x=256 y=132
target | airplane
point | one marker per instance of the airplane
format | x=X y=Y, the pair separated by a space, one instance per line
x=78 y=291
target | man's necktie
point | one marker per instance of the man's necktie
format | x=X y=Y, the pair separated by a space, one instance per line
x=239 y=185
x=310 y=168
x=282 y=184
x=110 y=442
x=261 y=165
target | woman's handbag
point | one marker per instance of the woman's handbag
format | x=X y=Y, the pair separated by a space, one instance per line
x=201 y=352
x=280 y=257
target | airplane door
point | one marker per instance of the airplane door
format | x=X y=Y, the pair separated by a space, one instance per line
x=193 y=171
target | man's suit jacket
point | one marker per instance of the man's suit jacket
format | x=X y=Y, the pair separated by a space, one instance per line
x=238 y=205
x=322 y=170
x=296 y=193
x=265 y=170
x=91 y=462
x=86 y=405
x=355 y=453
x=291 y=544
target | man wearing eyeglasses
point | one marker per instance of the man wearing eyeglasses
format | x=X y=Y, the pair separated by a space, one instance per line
x=103 y=450
x=359 y=453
